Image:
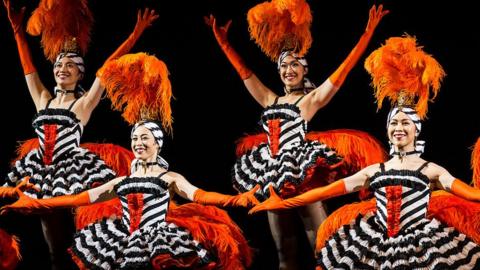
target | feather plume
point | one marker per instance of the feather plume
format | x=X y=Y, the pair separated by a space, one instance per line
x=138 y=85
x=59 y=21
x=400 y=69
x=9 y=251
x=281 y=25
x=475 y=162
x=215 y=230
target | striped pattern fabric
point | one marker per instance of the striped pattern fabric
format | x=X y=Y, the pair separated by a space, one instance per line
x=141 y=235
x=399 y=235
x=285 y=158
x=59 y=166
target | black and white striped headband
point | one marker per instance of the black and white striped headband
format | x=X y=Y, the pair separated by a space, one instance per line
x=157 y=132
x=77 y=59
x=307 y=84
x=412 y=114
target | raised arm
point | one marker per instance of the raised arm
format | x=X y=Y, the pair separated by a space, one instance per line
x=28 y=205
x=262 y=94
x=92 y=97
x=456 y=186
x=37 y=90
x=337 y=188
x=188 y=191
x=324 y=93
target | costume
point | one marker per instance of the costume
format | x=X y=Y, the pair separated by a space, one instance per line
x=287 y=156
x=143 y=237
x=405 y=226
x=391 y=237
x=148 y=230
x=286 y=159
x=59 y=166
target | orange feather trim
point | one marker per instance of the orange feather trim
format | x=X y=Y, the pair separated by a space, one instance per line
x=475 y=162
x=216 y=231
x=401 y=66
x=248 y=142
x=138 y=85
x=456 y=212
x=9 y=251
x=279 y=25
x=89 y=214
x=61 y=20
x=24 y=147
x=342 y=216
x=116 y=157
x=358 y=148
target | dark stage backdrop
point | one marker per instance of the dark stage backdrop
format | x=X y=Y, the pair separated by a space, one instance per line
x=212 y=109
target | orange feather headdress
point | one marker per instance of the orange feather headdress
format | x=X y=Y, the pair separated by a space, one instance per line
x=475 y=162
x=138 y=85
x=404 y=73
x=59 y=21
x=281 y=25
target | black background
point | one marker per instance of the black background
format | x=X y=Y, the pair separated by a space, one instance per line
x=212 y=109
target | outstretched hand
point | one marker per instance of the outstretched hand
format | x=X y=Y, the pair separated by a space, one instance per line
x=375 y=15
x=145 y=19
x=219 y=32
x=274 y=202
x=246 y=199
x=16 y=18
x=24 y=185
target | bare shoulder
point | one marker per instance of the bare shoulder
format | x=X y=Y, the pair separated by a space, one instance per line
x=172 y=177
x=370 y=170
x=433 y=170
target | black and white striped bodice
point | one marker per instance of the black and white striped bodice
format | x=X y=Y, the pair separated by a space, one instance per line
x=144 y=201
x=402 y=197
x=284 y=125
x=59 y=130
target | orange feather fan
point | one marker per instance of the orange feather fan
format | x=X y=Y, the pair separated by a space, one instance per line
x=280 y=25
x=9 y=251
x=476 y=164
x=138 y=85
x=400 y=68
x=215 y=230
x=59 y=21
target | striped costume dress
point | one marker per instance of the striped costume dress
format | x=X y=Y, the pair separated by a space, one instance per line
x=142 y=238
x=59 y=166
x=287 y=156
x=399 y=235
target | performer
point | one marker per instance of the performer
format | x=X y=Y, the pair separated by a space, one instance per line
x=59 y=166
x=144 y=237
x=286 y=161
x=151 y=233
x=398 y=233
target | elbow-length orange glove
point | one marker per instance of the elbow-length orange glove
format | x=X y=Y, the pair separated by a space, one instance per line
x=274 y=202
x=27 y=205
x=246 y=199
x=221 y=36
x=375 y=15
x=16 y=20
x=144 y=20
x=465 y=191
